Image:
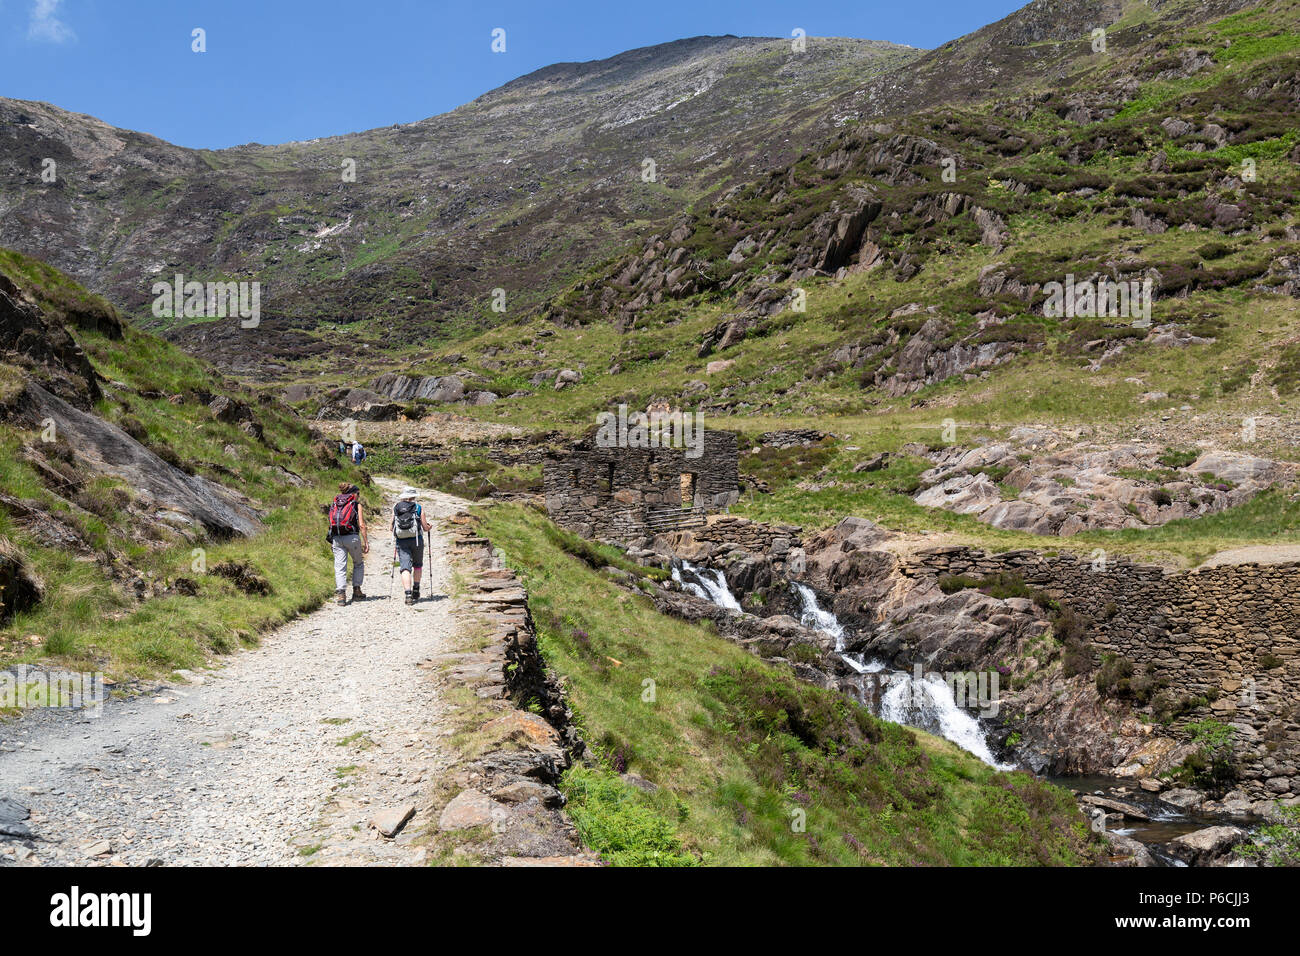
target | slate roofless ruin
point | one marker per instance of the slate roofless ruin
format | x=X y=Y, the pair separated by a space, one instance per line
x=636 y=474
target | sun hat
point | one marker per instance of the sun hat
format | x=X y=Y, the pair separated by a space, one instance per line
x=408 y=494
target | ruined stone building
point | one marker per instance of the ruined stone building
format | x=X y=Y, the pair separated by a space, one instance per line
x=622 y=493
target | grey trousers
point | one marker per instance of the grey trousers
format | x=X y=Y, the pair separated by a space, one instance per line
x=344 y=545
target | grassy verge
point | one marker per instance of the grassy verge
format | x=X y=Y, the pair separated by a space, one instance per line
x=90 y=617
x=753 y=767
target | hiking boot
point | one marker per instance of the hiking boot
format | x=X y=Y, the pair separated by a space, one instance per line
x=409 y=598
x=357 y=595
x=340 y=597
x=415 y=593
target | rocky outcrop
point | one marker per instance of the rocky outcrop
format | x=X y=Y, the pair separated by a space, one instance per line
x=19 y=587
x=838 y=234
x=229 y=411
x=934 y=353
x=1017 y=486
x=43 y=348
x=432 y=388
x=176 y=498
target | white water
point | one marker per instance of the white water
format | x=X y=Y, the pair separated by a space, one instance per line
x=707 y=583
x=812 y=615
x=925 y=701
x=928 y=705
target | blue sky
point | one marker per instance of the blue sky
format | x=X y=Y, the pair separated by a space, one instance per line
x=278 y=70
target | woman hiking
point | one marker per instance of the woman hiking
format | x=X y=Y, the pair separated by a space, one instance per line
x=409 y=527
x=348 y=537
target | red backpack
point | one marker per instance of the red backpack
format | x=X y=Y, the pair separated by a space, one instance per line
x=343 y=514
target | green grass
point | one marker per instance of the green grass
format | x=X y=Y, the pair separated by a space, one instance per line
x=87 y=617
x=754 y=767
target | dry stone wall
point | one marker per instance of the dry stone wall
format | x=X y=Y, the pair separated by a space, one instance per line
x=755 y=537
x=1229 y=634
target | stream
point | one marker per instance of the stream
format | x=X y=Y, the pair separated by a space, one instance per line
x=927 y=702
x=922 y=701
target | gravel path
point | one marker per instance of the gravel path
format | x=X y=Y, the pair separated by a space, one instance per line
x=1256 y=554
x=282 y=757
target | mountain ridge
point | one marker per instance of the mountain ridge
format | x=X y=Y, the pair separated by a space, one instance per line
x=145 y=207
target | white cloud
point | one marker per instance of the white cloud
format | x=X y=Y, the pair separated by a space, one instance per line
x=45 y=25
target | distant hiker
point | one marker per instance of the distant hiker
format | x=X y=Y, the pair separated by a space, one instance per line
x=409 y=526
x=358 y=453
x=343 y=446
x=348 y=537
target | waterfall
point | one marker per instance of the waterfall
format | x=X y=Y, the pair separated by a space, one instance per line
x=926 y=702
x=812 y=615
x=707 y=583
x=922 y=701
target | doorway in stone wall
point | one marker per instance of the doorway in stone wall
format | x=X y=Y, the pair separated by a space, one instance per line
x=688 y=489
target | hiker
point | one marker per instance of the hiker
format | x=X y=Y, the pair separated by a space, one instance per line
x=348 y=537
x=409 y=526
x=358 y=453
x=343 y=446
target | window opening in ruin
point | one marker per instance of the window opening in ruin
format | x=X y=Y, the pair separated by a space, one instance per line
x=688 y=490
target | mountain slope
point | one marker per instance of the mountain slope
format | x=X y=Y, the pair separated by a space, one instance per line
x=516 y=190
x=925 y=299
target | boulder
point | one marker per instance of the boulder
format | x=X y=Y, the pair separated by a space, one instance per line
x=390 y=820
x=20 y=589
x=1209 y=847
x=874 y=463
x=358 y=398
x=445 y=388
x=229 y=411
x=1183 y=798
x=469 y=808
x=523 y=790
x=102 y=448
x=1126 y=851
x=298 y=393
x=566 y=378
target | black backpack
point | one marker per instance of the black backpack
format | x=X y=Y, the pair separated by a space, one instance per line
x=405 y=524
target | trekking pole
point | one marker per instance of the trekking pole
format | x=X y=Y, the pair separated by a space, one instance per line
x=392 y=569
